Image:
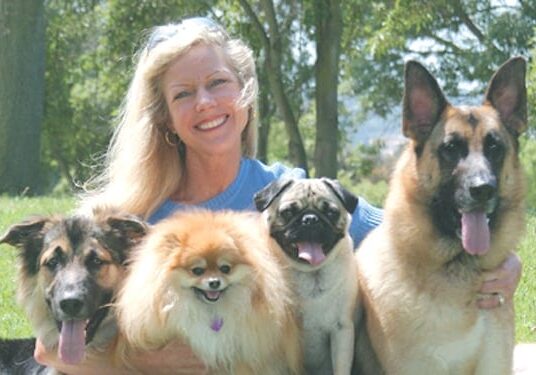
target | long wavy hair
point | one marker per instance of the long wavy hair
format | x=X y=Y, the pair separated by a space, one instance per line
x=141 y=169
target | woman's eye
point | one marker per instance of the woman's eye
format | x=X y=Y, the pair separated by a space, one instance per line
x=217 y=82
x=180 y=95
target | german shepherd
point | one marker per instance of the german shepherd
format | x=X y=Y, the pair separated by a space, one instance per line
x=455 y=208
x=69 y=270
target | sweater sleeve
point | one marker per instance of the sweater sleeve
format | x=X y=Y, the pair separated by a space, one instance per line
x=365 y=218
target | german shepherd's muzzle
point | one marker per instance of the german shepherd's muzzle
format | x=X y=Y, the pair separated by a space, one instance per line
x=69 y=270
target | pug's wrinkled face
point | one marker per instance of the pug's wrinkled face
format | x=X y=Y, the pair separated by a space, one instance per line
x=307 y=217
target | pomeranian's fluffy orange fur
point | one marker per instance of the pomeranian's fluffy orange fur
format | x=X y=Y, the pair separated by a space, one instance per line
x=209 y=278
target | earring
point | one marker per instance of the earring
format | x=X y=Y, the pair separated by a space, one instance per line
x=171 y=138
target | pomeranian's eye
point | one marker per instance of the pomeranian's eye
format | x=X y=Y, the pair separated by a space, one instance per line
x=198 y=271
x=225 y=268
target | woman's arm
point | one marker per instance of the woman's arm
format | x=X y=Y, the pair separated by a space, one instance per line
x=500 y=284
x=175 y=358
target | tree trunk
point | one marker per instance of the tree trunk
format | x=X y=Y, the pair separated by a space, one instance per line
x=328 y=39
x=272 y=65
x=22 y=67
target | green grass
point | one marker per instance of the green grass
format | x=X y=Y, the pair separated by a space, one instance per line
x=14 y=324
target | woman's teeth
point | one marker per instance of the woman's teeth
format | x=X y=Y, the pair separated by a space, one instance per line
x=212 y=124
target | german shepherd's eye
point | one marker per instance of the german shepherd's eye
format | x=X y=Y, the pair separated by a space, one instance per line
x=198 y=271
x=453 y=150
x=493 y=148
x=225 y=268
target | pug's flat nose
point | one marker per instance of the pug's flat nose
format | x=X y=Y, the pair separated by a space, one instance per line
x=309 y=219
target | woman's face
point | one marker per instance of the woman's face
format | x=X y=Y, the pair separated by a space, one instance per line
x=202 y=93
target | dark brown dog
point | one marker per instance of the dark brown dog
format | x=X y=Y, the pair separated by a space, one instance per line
x=69 y=270
x=455 y=208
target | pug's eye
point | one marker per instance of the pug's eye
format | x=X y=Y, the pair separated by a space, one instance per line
x=198 y=271
x=225 y=269
x=331 y=211
x=288 y=212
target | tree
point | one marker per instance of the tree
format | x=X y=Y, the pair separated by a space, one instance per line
x=22 y=66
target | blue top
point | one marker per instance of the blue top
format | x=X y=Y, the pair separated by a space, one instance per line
x=252 y=176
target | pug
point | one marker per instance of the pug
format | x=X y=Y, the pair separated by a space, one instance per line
x=308 y=221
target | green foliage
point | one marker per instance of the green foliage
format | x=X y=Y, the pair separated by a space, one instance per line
x=528 y=160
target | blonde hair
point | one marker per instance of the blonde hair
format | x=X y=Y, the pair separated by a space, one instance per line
x=141 y=169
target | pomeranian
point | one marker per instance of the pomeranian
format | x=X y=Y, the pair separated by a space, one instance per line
x=210 y=279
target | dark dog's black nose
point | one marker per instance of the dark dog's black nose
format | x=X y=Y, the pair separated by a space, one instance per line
x=214 y=284
x=71 y=306
x=483 y=192
x=309 y=219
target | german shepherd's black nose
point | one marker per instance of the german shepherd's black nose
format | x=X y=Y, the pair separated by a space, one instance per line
x=483 y=192
x=71 y=306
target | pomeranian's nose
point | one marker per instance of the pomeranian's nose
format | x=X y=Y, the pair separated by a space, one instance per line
x=214 y=283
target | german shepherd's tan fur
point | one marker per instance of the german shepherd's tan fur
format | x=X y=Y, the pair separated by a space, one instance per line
x=419 y=279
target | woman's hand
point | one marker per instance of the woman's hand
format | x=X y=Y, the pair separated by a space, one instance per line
x=500 y=284
x=175 y=358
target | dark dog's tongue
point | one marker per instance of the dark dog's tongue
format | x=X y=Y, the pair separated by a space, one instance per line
x=475 y=233
x=72 y=341
x=311 y=252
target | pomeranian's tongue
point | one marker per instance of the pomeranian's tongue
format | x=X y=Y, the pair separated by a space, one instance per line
x=475 y=233
x=311 y=252
x=72 y=341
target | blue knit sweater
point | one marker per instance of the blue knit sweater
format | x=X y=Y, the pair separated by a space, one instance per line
x=252 y=176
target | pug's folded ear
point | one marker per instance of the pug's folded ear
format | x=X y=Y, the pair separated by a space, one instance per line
x=264 y=197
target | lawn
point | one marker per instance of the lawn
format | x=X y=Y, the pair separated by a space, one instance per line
x=14 y=324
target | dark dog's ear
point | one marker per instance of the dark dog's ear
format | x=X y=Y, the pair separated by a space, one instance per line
x=125 y=232
x=264 y=197
x=27 y=236
x=19 y=235
x=507 y=93
x=423 y=102
x=348 y=199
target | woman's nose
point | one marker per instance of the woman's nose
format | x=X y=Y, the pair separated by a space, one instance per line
x=204 y=100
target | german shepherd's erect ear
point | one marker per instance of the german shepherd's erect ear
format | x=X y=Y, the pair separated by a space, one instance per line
x=424 y=102
x=507 y=93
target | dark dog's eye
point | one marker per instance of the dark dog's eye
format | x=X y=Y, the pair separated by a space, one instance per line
x=225 y=268
x=95 y=262
x=198 y=271
x=452 y=150
x=52 y=263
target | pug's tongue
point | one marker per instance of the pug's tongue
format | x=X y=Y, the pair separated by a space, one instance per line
x=475 y=232
x=311 y=252
x=72 y=341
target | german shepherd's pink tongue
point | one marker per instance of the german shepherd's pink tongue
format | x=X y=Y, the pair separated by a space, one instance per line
x=72 y=341
x=311 y=252
x=475 y=233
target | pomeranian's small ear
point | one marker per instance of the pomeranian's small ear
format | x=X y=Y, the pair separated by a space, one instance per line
x=264 y=198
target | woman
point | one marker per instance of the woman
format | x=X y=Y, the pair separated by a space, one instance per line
x=187 y=138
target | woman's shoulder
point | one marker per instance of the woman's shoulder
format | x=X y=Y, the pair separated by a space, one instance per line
x=268 y=173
